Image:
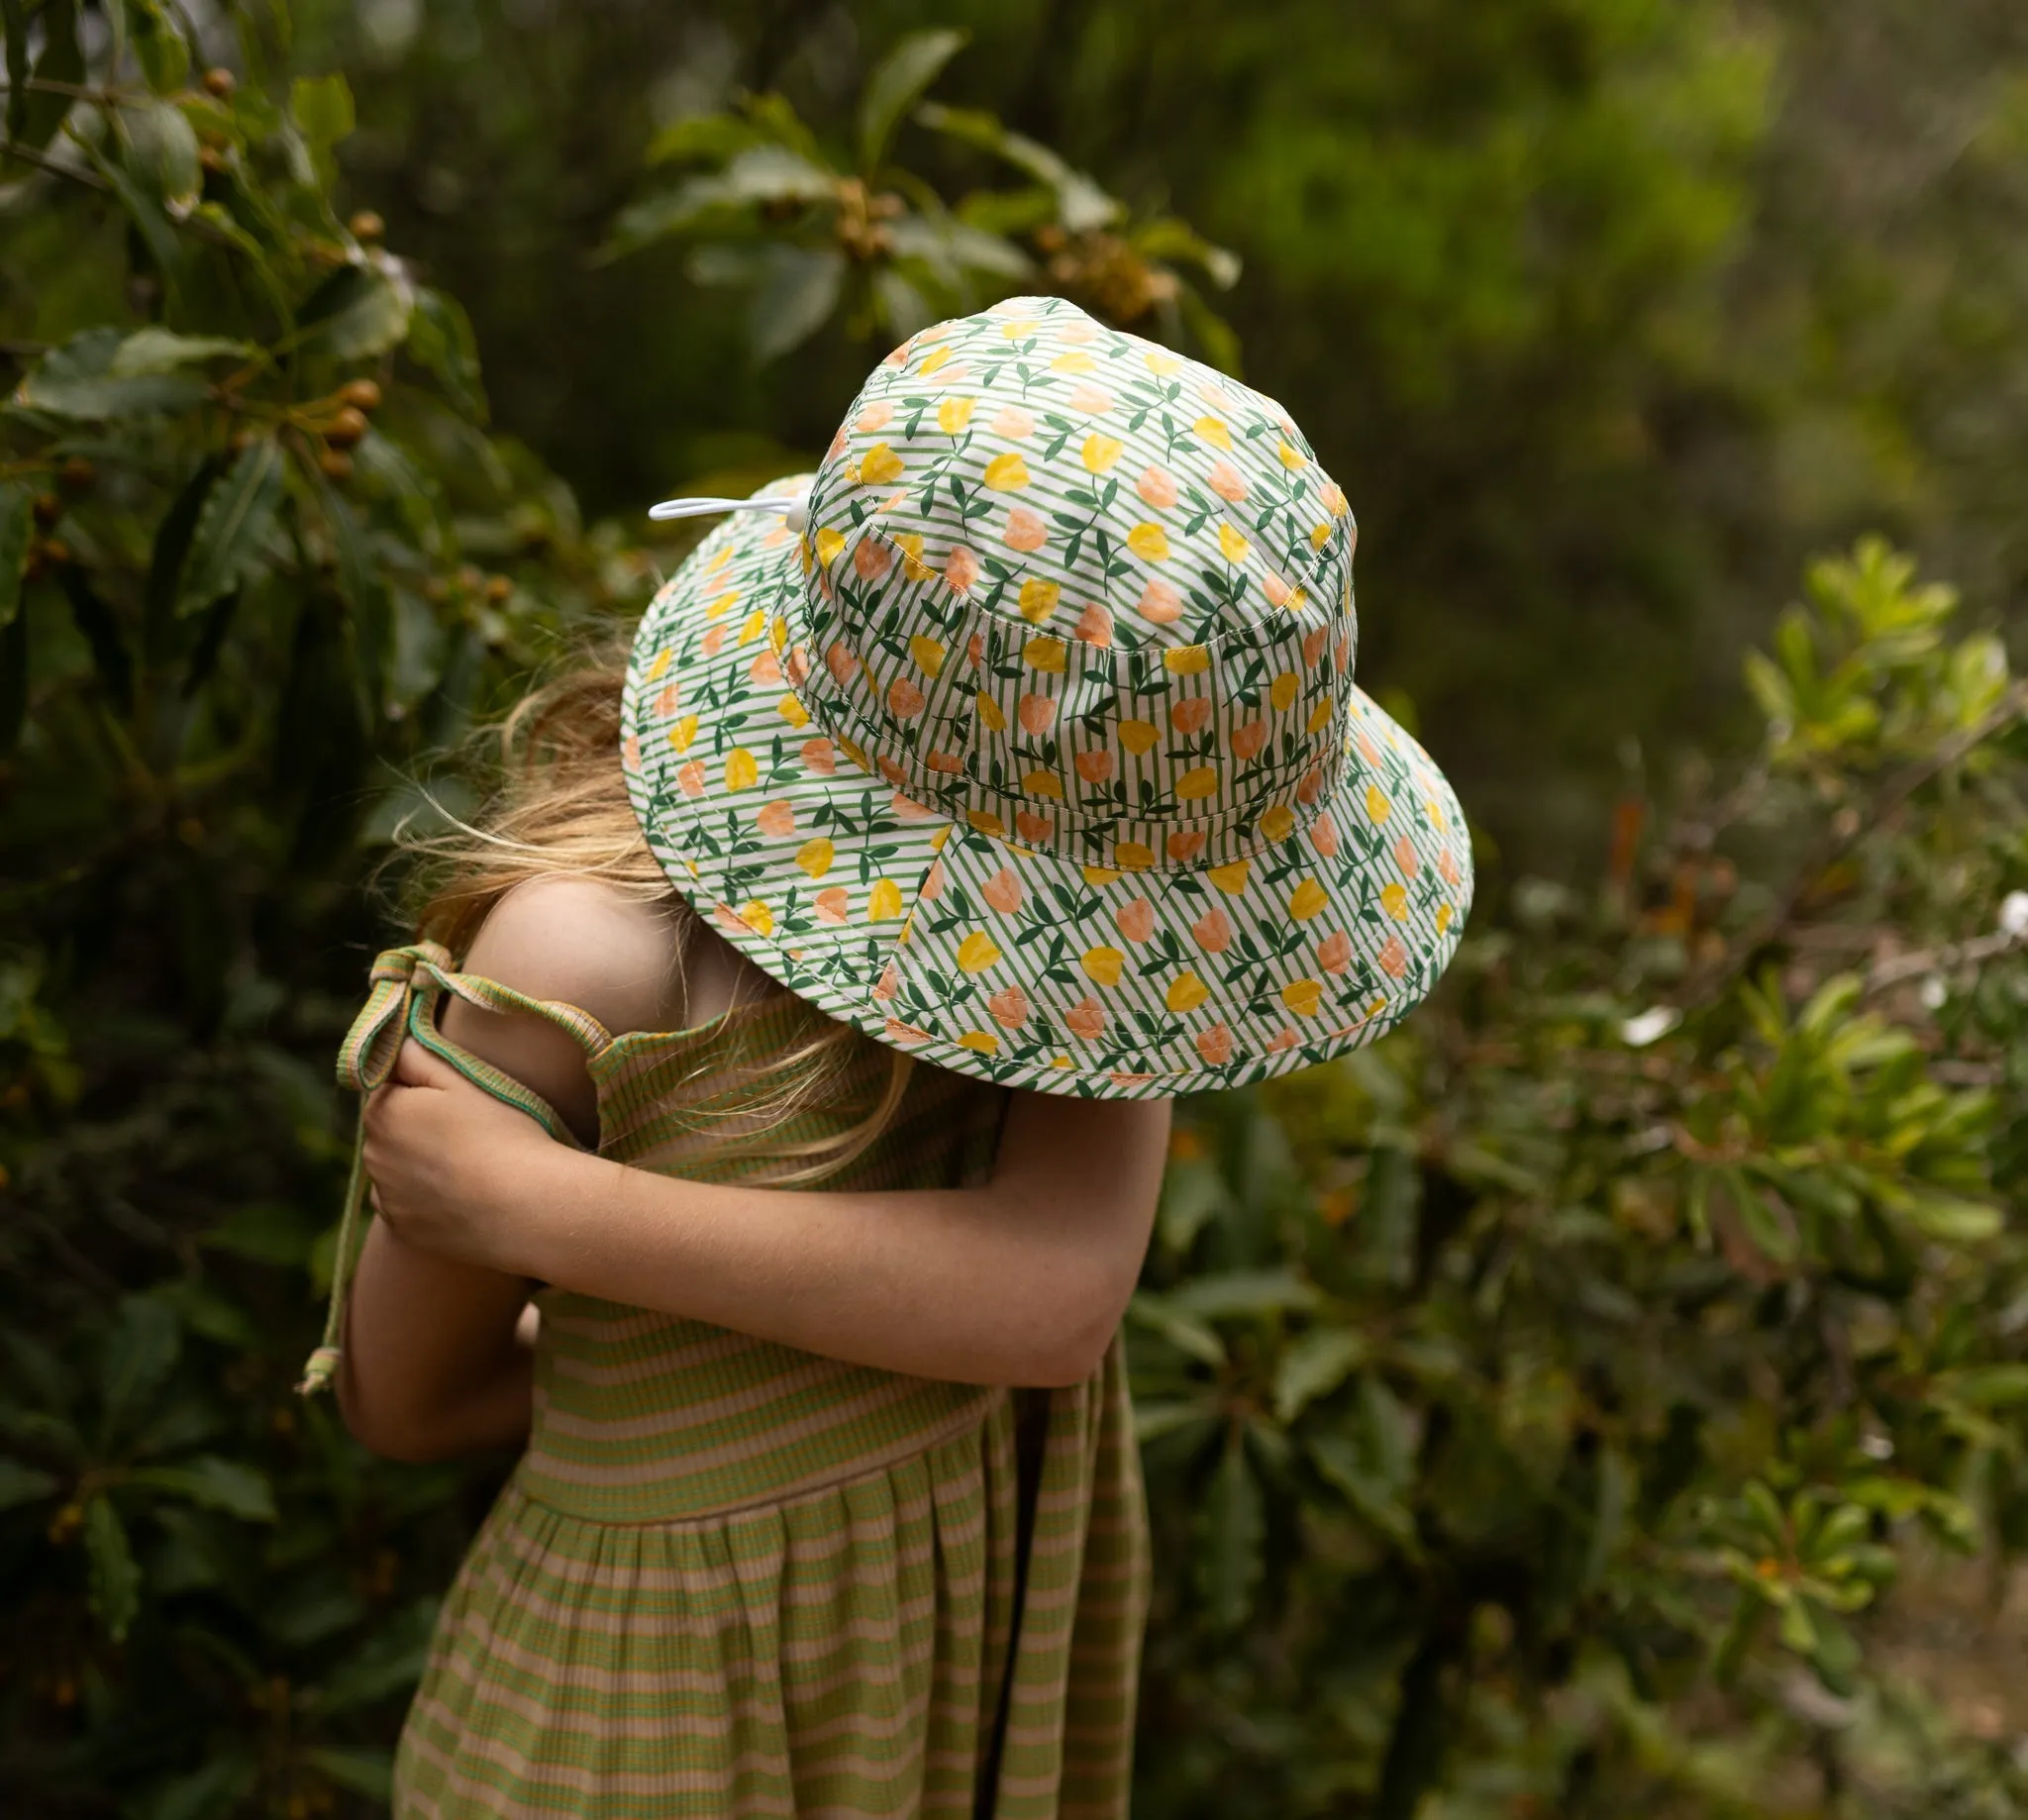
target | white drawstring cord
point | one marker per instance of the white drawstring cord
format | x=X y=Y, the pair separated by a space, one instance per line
x=793 y=512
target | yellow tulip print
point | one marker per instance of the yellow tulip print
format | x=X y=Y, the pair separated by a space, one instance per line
x=1149 y=540
x=1378 y=808
x=989 y=714
x=980 y=1042
x=758 y=918
x=1139 y=737
x=1320 y=716
x=928 y=653
x=1302 y=996
x=741 y=771
x=1195 y=785
x=1185 y=992
x=1395 y=900
x=683 y=733
x=1231 y=878
x=830 y=541
x=883 y=901
x=1291 y=455
x=1186 y=660
x=1101 y=876
x=1306 y=900
x=1038 y=599
x=1232 y=545
x=1103 y=964
x=977 y=952
x=1282 y=691
x=1046 y=653
x=754 y=624
x=1043 y=784
x=661 y=666
x=1100 y=452
x=1133 y=855
x=1006 y=473
x=815 y=856
x=1277 y=823
x=953 y=414
x=724 y=603
x=1214 y=432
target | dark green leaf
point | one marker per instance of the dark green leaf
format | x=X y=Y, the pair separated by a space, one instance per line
x=1314 y=1366
x=797 y=295
x=141 y=1351
x=83 y=379
x=440 y=342
x=12 y=681
x=1229 y=1533
x=896 y=85
x=101 y=629
x=20 y=1484
x=61 y=64
x=14 y=16
x=159 y=45
x=213 y=1484
x=115 y=1579
x=322 y=107
x=371 y=621
x=358 y=312
x=234 y=525
x=168 y=555
x=16 y=532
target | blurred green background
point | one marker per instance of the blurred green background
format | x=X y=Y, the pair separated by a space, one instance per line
x=1606 y=313
x=1540 y=1407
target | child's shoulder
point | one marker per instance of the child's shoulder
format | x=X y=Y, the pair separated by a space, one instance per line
x=579 y=942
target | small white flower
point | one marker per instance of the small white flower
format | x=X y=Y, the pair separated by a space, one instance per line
x=2014 y=914
x=1657 y=1021
x=1877 y=1446
x=1934 y=993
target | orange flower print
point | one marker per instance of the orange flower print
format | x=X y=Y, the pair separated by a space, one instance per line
x=1025 y=530
x=905 y=699
x=869 y=559
x=1037 y=713
x=1191 y=715
x=1031 y=827
x=1157 y=486
x=1313 y=646
x=839 y=444
x=834 y=906
x=667 y=701
x=1184 y=848
x=932 y=883
x=1094 y=400
x=892 y=771
x=1406 y=858
x=1248 y=738
x=1094 y=767
x=1002 y=891
x=713 y=638
x=889 y=984
x=975 y=650
x=1012 y=420
x=907 y=809
x=1225 y=482
x=876 y=416
x=1215 y=1046
x=1446 y=864
x=777 y=818
x=1135 y=919
x=840 y=661
x=1159 y=604
x=949 y=763
x=1213 y=930
x=1334 y=953
x=961 y=569
x=1009 y=1007
x=798 y=665
x=1324 y=836
x=1341 y=656
x=1393 y=959
x=1087 y=1019
x=765 y=669
x=1334 y=499
x=690 y=780
x=1310 y=785
x=1095 y=627
x=1276 y=589
x=1282 y=1039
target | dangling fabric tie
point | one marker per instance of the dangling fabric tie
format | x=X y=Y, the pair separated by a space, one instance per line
x=364 y=1061
x=407 y=982
x=793 y=512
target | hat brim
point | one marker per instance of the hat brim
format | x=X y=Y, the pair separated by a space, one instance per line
x=1002 y=960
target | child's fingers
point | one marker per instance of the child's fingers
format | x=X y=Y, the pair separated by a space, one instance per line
x=415 y=1067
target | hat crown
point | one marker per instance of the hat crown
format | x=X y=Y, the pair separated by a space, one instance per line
x=1074 y=588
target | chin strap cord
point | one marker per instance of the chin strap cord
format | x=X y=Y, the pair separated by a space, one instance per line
x=792 y=512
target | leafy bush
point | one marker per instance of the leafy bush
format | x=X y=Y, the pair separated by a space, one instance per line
x=1536 y=1408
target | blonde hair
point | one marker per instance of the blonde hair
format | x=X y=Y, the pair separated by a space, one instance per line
x=559 y=808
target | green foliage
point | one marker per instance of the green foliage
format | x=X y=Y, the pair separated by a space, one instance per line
x=1538 y=1409
x=805 y=236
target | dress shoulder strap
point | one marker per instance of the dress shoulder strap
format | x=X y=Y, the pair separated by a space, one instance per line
x=407 y=983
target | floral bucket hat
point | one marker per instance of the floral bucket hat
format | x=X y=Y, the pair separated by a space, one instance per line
x=1023 y=735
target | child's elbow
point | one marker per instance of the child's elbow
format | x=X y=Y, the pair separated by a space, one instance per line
x=1075 y=1346
x=395 y=1429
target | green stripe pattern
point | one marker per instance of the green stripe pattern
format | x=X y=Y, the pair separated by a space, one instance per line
x=733 y=1578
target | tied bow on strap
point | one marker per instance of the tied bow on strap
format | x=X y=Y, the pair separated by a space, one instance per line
x=364 y=1061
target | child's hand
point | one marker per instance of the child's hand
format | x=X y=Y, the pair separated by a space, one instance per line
x=451 y=1164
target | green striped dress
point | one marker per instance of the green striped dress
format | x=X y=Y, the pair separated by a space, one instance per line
x=732 y=1579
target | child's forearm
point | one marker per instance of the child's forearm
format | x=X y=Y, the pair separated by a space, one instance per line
x=963 y=1285
x=435 y=1361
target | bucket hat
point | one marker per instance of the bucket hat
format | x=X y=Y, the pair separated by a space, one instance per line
x=1023 y=734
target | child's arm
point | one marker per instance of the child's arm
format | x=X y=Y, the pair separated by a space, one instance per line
x=1021 y=1281
x=437 y=1349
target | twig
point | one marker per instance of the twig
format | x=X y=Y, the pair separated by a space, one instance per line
x=1936 y=960
x=55 y=166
